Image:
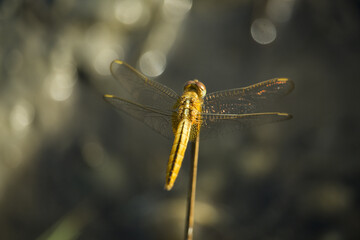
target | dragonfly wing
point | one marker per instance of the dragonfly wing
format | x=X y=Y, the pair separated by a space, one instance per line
x=248 y=99
x=156 y=119
x=140 y=89
x=216 y=124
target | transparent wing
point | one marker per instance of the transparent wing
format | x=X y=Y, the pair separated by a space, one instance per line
x=246 y=100
x=236 y=109
x=142 y=90
x=155 y=118
x=217 y=124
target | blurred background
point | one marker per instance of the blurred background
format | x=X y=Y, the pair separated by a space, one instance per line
x=71 y=167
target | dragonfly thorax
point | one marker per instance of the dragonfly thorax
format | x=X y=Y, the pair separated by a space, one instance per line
x=188 y=108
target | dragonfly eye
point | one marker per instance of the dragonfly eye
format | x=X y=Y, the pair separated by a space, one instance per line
x=188 y=84
x=198 y=86
x=201 y=89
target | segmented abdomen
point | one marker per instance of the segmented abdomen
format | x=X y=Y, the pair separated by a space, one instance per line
x=177 y=152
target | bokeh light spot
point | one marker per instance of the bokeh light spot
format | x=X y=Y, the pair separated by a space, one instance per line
x=61 y=86
x=102 y=61
x=176 y=8
x=129 y=11
x=22 y=115
x=263 y=31
x=152 y=63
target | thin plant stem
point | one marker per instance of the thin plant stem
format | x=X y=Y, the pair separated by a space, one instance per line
x=189 y=227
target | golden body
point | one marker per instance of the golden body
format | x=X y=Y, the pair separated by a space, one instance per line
x=186 y=124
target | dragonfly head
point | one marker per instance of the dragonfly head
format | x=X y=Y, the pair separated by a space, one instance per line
x=196 y=85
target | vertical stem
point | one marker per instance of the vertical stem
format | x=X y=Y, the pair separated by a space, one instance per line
x=189 y=228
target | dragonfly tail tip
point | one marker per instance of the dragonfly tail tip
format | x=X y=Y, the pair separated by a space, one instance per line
x=168 y=187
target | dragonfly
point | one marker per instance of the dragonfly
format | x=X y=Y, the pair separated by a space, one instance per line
x=181 y=117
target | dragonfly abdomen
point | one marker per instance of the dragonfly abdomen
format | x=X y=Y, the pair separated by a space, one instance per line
x=177 y=152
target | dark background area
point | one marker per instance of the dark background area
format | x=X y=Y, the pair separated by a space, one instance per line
x=71 y=167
